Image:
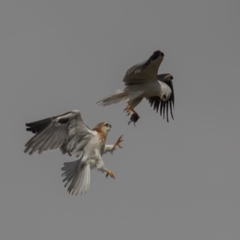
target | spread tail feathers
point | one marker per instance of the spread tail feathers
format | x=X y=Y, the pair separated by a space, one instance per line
x=115 y=98
x=77 y=177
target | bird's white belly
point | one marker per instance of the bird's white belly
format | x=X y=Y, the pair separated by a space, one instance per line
x=151 y=89
x=92 y=151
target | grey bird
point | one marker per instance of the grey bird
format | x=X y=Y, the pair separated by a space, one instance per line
x=142 y=81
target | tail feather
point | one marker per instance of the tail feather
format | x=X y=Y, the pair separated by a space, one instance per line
x=69 y=170
x=77 y=177
x=115 y=98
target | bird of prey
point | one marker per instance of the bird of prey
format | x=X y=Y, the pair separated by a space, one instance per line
x=69 y=133
x=142 y=81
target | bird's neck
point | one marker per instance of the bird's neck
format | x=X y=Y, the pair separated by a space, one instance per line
x=102 y=135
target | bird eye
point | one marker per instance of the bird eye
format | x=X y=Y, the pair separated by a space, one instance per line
x=164 y=96
x=107 y=125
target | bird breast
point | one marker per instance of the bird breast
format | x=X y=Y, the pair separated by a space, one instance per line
x=149 y=89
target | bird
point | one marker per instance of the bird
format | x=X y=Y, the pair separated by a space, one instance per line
x=69 y=133
x=142 y=81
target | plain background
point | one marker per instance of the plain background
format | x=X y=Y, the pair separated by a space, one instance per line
x=177 y=180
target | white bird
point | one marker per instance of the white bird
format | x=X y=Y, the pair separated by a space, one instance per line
x=69 y=133
x=142 y=81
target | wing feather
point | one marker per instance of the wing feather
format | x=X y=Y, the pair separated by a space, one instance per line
x=66 y=130
x=163 y=107
x=145 y=71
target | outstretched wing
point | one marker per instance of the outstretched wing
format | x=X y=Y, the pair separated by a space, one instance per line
x=158 y=104
x=66 y=131
x=145 y=71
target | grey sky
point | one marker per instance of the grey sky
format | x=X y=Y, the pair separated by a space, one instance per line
x=177 y=180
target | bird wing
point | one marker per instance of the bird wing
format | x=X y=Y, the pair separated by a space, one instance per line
x=67 y=131
x=144 y=72
x=161 y=106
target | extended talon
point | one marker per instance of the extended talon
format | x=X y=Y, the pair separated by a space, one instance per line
x=128 y=110
x=110 y=173
x=117 y=143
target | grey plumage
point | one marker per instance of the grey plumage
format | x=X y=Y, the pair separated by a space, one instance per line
x=141 y=81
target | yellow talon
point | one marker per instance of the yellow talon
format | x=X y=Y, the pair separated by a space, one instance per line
x=110 y=173
x=128 y=110
x=117 y=143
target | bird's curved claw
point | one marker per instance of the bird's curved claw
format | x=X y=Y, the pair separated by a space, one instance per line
x=110 y=173
x=128 y=110
x=117 y=143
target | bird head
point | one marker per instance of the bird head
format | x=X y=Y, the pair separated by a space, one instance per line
x=165 y=92
x=103 y=127
x=106 y=127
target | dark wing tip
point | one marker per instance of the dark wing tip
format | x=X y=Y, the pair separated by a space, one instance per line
x=38 y=126
x=156 y=54
x=163 y=107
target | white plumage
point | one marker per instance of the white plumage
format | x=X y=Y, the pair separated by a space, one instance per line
x=69 y=133
x=141 y=81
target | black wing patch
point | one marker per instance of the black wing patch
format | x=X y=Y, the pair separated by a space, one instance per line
x=63 y=120
x=163 y=107
x=38 y=126
x=154 y=56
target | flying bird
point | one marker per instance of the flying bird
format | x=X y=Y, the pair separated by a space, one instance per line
x=69 y=133
x=142 y=81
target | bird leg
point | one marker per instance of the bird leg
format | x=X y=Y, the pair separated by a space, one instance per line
x=109 y=173
x=117 y=143
x=129 y=109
